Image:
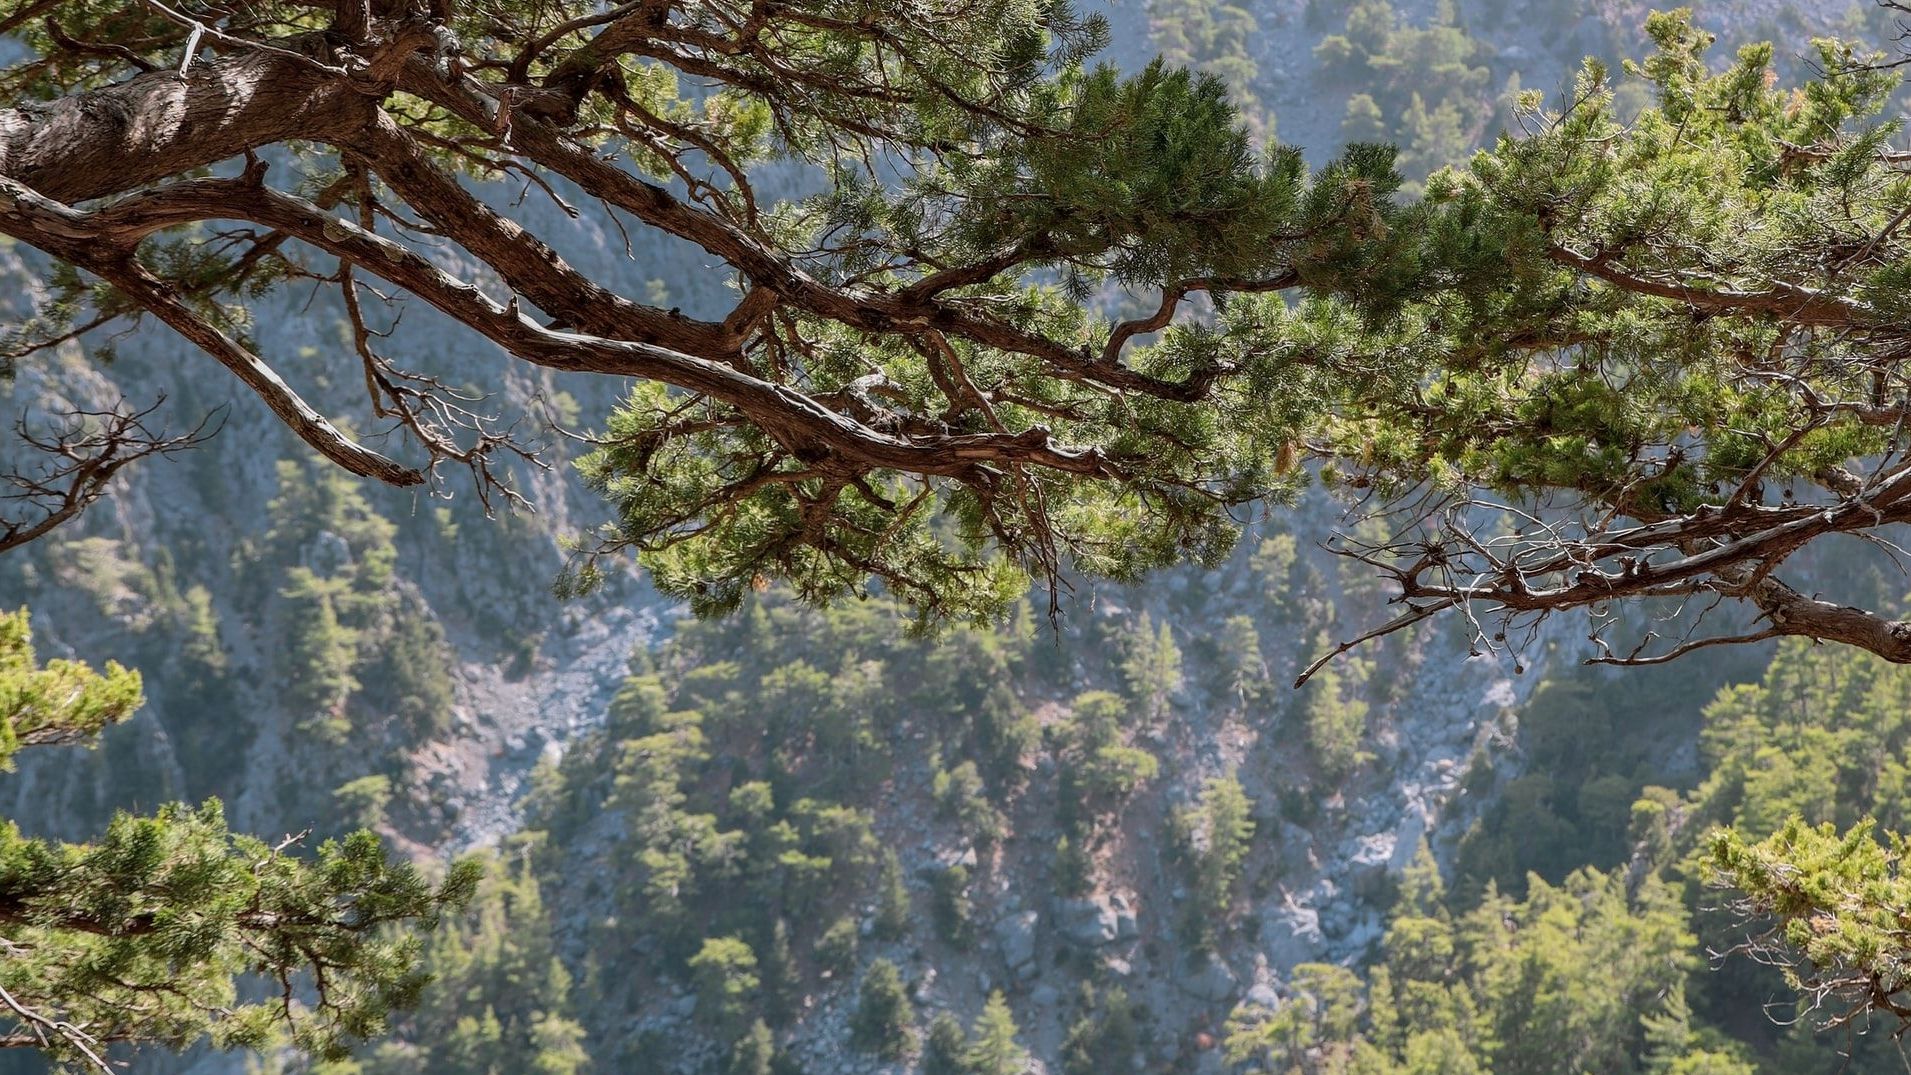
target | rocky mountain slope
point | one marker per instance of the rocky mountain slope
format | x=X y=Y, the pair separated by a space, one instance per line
x=463 y=678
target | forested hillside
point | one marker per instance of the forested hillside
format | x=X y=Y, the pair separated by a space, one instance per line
x=817 y=839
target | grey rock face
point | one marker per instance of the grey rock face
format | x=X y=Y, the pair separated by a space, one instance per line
x=1210 y=981
x=1015 y=934
x=1087 y=923
x=1291 y=934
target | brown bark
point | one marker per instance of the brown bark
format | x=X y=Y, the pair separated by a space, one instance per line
x=157 y=125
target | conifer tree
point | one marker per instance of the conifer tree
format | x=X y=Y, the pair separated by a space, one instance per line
x=992 y=1048
x=944 y=1048
x=754 y=1052
x=910 y=385
x=142 y=936
x=724 y=970
x=1682 y=332
x=892 y=900
x=884 y=1018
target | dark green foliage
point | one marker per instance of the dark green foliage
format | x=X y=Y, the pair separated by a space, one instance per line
x=836 y=948
x=1151 y=668
x=741 y=778
x=140 y=936
x=944 y=1048
x=883 y=1020
x=1102 y=768
x=1074 y=872
x=962 y=799
x=500 y=1000
x=1594 y=740
x=950 y=906
x=738 y=780
x=1214 y=36
x=1215 y=837
x=753 y=1053
x=362 y=802
x=320 y=654
x=143 y=935
x=1334 y=716
x=1107 y=1036
x=411 y=678
x=892 y=901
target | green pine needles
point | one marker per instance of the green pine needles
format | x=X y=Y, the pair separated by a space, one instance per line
x=172 y=929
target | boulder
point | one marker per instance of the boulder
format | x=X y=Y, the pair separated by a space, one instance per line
x=1087 y=923
x=1291 y=934
x=1210 y=980
x=1016 y=935
x=1414 y=825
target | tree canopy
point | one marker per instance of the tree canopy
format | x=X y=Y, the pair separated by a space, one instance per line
x=147 y=934
x=1036 y=317
x=1039 y=316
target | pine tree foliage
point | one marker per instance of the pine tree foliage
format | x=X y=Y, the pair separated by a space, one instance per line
x=148 y=935
x=500 y=999
x=992 y=1048
x=59 y=701
x=1674 y=336
x=883 y=1022
x=1580 y=976
x=1835 y=904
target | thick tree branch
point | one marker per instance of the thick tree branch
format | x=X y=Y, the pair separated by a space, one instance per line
x=162 y=124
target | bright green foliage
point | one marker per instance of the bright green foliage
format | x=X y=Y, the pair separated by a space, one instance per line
x=1837 y=904
x=56 y=702
x=1107 y=1037
x=140 y=936
x=1216 y=837
x=724 y=971
x=500 y=999
x=1675 y=1047
x=753 y=1053
x=883 y=1020
x=1334 y=715
x=1822 y=735
x=1573 y=978
x=1310 y=1033
x=992 y=1048
x=1093 y=745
